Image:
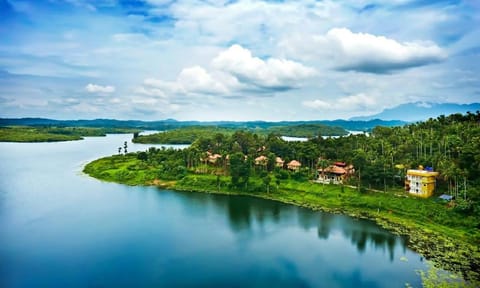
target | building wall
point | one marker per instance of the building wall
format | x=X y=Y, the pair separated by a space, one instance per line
x=330 y=178
x=421 y=186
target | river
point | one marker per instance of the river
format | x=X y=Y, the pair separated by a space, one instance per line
x=61 y=228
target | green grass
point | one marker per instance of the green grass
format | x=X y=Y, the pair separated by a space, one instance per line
x=434 y=230
x=52 y=134
x=125 y=169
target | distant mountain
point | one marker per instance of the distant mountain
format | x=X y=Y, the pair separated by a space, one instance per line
x=420 y=111
x=169 y=124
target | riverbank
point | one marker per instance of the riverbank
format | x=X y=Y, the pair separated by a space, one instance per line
x=452 y=245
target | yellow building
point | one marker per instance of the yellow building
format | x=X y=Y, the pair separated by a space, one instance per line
x=420 y=183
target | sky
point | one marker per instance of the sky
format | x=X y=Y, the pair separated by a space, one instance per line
x=234 y=60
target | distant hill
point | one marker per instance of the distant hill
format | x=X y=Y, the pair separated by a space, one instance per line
x=172 y=124
x=420 y=111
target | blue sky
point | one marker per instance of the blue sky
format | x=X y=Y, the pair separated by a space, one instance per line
x=234 y=60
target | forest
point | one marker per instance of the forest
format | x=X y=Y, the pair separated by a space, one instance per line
x=54 y=133
x=188 y=135
x=169 y=124
x=450 y=145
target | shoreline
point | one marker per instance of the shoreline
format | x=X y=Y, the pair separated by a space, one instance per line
x=453 y=255
x=421 y=244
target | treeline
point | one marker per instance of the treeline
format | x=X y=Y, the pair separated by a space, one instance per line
x=170 y=124
x=54 y=133
x=188 y=135
x=307 y=130
x=451 y=145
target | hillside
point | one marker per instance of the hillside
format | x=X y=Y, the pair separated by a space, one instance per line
x=168 y=124
x=419 y=111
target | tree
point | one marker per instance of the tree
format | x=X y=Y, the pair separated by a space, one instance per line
x=359 y=161
x=266 y=181
x=142 y=156
x=271 y=162
x=125 y=147
x=239 y=169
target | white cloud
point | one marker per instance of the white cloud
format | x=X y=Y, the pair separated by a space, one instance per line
x=192 y=80
x=369 y=53
x=94 y=88
x=235 y=70
x=317 y=104
x=356 y=102
x=175 y=42
x=364 y=52
x=273 y=73
x=197 y=80
x=423 y=104
x=223 y=22
x=150 y=91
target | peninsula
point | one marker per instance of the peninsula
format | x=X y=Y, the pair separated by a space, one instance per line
x=265 y=166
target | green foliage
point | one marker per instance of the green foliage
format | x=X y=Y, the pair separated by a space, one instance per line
x=307 y=130
x=281 y=174
x=142 y=156
x=184 y=135
x=437 y=278
x=52 y=133
x=239 y=169
x=463 y=206
x=301 y=175
x=209 y=135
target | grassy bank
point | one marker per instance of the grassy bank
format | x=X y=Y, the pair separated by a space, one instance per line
x=53 y=134
x=434 y=230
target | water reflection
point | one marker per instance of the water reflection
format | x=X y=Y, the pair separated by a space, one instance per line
x=248 y=216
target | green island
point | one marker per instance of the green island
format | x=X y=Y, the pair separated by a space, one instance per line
x=447 y=232
x=54 y=133
x=183 y=135
x=189 y=134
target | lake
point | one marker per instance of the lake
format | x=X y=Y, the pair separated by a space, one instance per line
x=61 y=228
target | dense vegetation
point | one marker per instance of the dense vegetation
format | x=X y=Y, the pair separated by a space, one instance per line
x=307 y=130
x=50 y=134
x=446 y=232
x=188 y=135
x=170 y=124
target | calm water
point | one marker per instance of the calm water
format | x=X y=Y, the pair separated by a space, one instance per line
x=60 y=228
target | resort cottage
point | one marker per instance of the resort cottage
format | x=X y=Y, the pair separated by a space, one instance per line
x=279 y=162
x=335 y=174
x=294 y=165
x=421 y=182
x=261 y=160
